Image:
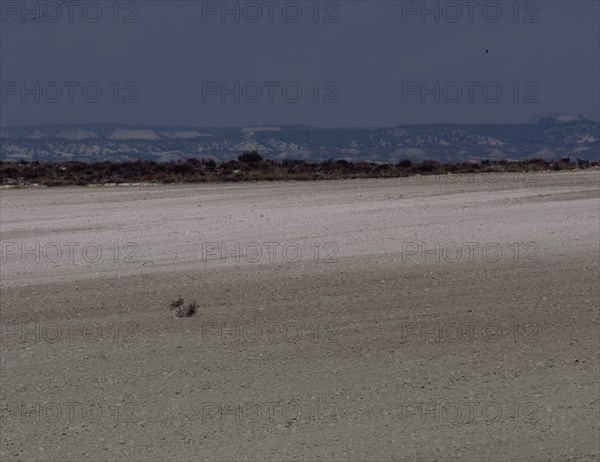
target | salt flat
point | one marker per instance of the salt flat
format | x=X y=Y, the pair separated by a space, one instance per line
x=406 y=319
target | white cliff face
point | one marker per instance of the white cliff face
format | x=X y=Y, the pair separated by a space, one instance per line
x=123 y=134
x=36 y=135
x=182 y=135
x=566 y=118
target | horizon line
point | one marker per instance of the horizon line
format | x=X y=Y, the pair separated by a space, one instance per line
x=236 y=127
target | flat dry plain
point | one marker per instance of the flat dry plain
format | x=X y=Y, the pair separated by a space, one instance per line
x=403 y=319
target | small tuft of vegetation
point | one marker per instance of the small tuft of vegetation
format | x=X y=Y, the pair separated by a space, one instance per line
x=182 y=310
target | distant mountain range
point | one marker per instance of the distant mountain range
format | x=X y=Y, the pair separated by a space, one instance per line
x=549 y=138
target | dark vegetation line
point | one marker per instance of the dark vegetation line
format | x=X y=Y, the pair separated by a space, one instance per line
x=251 y=166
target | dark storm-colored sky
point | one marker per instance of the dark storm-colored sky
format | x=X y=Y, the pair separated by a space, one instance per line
x=339 y=64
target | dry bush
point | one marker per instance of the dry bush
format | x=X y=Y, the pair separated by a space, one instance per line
x=182 y=310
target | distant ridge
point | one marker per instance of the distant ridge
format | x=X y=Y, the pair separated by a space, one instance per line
x=547 y=137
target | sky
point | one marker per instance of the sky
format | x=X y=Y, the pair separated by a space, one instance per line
x=323 y=64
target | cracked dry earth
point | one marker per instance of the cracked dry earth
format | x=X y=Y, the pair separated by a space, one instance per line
x=403 y=319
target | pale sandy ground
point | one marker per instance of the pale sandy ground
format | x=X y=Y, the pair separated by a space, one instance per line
x=323 y=358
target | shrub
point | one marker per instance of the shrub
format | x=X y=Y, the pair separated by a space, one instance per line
x=183 y=311
x=209 y=163
x=429 y=166
x=251 y=157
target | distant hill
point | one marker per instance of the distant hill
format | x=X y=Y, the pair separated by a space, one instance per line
x=549 y=138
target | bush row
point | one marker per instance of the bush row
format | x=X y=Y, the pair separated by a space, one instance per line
x=250 y=166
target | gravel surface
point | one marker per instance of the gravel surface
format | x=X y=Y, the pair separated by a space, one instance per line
x=420 y=319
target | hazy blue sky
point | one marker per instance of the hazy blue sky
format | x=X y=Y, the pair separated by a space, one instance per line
x=356 y=63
